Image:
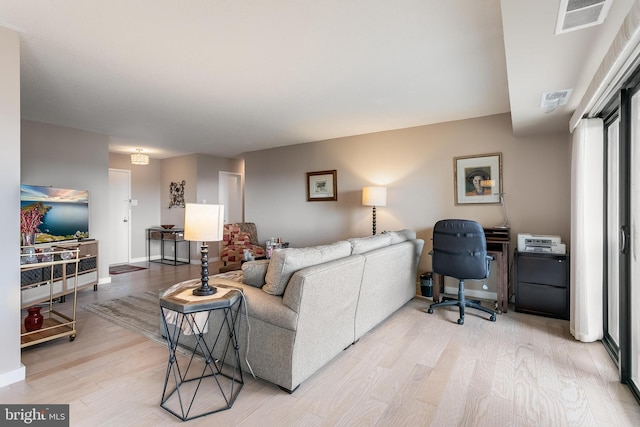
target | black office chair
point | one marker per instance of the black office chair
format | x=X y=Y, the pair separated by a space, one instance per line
x=460 y=251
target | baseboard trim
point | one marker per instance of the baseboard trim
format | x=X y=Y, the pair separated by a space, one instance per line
x=13 y=376
x=104 y=280
x=472 y=293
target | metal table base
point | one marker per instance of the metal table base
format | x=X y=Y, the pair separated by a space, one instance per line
x=197 y=383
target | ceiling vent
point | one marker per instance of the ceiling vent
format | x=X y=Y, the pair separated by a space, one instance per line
x=552 y=100
x=578 y=14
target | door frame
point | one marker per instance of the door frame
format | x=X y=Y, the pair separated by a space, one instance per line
x=611 y=114
x=239 y=190
x=128 y=173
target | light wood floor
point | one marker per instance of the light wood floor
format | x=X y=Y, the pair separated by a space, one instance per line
x=414 y=369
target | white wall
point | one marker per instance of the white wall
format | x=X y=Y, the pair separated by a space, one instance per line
x=209 y=168
x=416 y=165
x=71 y=158
x=11 y=370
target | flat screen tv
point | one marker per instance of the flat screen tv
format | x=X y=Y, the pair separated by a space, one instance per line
x=64 y=212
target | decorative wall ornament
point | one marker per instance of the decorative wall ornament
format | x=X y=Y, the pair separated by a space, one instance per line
x=176 y=191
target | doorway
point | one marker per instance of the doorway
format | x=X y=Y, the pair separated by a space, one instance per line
x=119 y=215
x=231 y=195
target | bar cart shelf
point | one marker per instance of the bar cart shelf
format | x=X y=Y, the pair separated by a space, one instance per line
x=61 y=263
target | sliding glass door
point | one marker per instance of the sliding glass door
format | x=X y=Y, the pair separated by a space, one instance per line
x=622 y=251
x=631 y=245
x=621 y=292
x=612 y=282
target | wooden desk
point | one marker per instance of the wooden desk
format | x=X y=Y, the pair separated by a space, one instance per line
x=498 y=242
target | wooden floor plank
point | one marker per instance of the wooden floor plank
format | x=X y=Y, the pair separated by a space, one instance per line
x=413 y=369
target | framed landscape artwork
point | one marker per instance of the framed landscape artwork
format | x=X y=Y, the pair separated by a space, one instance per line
x=478 y=179
x=322 y=186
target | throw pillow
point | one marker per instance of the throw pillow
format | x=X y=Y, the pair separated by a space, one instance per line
x=401 y=235
x=254 y=272
x=365 y=244
x=285 y=262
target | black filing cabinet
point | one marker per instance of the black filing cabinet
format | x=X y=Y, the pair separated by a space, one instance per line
x=542 y=284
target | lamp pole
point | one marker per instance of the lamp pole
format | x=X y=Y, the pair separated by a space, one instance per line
x=505 y=223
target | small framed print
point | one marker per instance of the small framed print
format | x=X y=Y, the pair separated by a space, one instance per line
x=322 y=186
x=478 y=179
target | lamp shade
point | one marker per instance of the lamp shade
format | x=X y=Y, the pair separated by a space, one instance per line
x=374 y=196
x=203 y=223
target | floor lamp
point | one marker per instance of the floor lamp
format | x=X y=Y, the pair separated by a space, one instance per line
x=203 y=223
x=374 y=196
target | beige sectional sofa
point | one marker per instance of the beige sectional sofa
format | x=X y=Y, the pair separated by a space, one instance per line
x=306 y=305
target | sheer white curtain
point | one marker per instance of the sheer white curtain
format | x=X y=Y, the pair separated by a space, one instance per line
x=587 y=230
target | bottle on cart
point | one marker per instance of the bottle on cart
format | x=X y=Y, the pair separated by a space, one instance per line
x=269 y=249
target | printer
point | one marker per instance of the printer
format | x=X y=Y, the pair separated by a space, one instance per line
x=541 y=243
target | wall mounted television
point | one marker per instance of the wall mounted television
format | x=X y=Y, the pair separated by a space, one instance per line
x=66 y=212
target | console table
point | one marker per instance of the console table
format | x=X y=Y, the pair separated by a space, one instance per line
x=498 y=241
x=173 y=236
x=201 y=383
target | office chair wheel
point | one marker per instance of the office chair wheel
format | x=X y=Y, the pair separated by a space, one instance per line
x=461 y=321
x=493 y=318
x=430 y=310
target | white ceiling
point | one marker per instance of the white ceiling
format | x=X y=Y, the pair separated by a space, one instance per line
x=223 y=77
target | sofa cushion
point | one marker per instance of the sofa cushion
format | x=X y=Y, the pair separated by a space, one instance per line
x=401 y=235
x=285 y=262
x=254 y=272
x=365 y=244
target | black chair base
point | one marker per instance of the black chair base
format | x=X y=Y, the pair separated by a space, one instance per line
x=446 y=298
x=461 y=303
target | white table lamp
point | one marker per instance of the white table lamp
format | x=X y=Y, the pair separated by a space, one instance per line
x=203 y=223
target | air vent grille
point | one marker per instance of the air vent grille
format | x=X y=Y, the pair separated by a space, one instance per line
x=552 y=100
x=578 y=14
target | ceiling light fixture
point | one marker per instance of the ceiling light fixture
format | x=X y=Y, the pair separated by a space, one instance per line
x=139 y=158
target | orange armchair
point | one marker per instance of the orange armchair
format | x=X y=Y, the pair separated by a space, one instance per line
x=238 y=237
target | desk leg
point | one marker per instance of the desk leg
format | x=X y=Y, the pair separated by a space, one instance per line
x=497 y=257
x=438 y=281
x=503 y=302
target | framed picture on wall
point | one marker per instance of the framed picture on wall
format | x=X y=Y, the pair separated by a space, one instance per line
x=478 y=179
x=322 y=186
